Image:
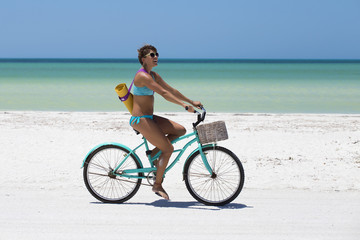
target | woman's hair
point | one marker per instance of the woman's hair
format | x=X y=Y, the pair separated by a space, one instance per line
x=145 y=50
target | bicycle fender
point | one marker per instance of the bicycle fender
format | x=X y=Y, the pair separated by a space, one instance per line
x=196 y=150
x=111 y=143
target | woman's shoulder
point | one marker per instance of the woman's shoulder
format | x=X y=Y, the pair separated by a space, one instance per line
x=142 y=74
x=141 y=78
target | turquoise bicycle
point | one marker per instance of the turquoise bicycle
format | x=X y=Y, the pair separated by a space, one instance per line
x=213 y=174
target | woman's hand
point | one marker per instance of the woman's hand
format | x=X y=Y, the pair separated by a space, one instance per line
x=189 y=108
x=197 y=104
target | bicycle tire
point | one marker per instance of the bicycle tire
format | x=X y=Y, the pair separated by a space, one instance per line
x=100 y=181
x=220 y=188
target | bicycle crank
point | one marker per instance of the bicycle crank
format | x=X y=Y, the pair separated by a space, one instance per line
x=151 y=177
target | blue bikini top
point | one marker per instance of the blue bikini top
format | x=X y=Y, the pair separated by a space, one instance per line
x=143 y=91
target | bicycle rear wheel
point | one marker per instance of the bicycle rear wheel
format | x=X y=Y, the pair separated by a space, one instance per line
x=226 y=182
x=100 y=180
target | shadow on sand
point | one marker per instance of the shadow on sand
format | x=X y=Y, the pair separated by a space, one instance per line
x=162 y=203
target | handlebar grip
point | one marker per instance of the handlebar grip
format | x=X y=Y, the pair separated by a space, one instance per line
x=187 y=108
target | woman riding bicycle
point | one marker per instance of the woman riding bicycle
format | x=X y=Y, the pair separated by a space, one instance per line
x=157 y=130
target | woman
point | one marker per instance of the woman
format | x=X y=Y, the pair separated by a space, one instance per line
x=157 y=130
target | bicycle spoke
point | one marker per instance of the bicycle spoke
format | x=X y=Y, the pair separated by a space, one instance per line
x=98 y=174
x=99 y=167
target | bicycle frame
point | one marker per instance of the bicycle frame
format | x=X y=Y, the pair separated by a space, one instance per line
x=129 y=173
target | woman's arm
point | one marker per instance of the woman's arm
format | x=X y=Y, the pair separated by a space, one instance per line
x=174 y=91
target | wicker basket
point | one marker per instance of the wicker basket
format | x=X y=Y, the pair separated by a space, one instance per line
x=212 y=132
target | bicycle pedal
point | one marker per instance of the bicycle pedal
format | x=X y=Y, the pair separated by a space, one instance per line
x=148 y=152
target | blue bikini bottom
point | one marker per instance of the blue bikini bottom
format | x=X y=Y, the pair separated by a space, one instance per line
x=136 y=120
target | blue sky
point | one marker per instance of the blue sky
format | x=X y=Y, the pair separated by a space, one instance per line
x=279 y=29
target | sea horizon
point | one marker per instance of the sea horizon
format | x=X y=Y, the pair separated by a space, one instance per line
x=181 y=60
x=222 y=85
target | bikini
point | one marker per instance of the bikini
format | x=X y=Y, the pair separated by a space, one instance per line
x=141 y=91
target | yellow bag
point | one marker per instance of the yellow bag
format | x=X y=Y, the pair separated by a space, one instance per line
x=125 y=95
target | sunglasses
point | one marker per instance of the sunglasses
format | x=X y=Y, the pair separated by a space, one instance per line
x=152 y=55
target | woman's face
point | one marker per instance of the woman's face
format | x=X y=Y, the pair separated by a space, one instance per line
x=150 y=59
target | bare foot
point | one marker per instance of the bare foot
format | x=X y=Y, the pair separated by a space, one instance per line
x=158 y=189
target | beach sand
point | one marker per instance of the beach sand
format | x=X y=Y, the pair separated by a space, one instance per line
x=302 y=180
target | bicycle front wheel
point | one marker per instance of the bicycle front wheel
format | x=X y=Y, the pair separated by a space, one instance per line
x=99 y=175
x=219 y=188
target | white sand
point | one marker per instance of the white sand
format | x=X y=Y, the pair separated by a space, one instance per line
x=302 y=180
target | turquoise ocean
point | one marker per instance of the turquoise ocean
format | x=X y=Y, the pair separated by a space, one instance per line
x=226 y=85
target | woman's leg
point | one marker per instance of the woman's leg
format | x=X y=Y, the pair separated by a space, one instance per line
x=170 y=128
x=154 y=134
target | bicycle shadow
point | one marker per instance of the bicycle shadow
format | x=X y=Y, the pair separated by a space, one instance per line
x=162 y=203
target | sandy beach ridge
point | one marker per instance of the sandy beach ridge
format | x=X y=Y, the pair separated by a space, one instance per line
x=302 y=179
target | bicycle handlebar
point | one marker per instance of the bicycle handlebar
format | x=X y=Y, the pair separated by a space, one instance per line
x=200 y=116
